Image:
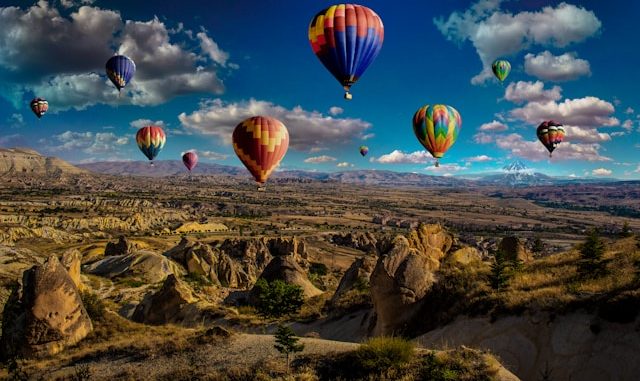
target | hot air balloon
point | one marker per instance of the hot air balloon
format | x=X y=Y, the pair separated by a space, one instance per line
x=260 y=143
x=437 y=128
x=120 y=70
x=39 y=106
x=190 y=159
x=346 y=38
x=150 y=140
x=550 y=134
x=501 y=69
x=364 y=150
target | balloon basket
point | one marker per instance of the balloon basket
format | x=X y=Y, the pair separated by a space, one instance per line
x=261 y=188
x=437 y=163
x=348 y=96
x=152 y=164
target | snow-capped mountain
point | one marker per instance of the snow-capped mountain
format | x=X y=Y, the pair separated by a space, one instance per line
x=517 y=174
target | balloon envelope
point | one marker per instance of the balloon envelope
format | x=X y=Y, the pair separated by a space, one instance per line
x=190 y=159
x=364 y=150
x=346 y=38
x=120 y=70
x=550 y=134
x=39 y=106
x=260 y=143
x=437 y=128
x=150 y=140
x=501 y=69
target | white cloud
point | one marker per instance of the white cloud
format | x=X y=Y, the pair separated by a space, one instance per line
x=521 y=91
x=618 y=133
x=87 y=142
x=577 y=134
x=14 y=140
x=319 y=159
x=307 y=129
x=479 y=159
x=344 y=164
x=548 y=67
x=367 y=136
x=483 y=138
x=75 y=3
x=533 y=150
x=637 y=169
x=399 y=157
x=139 y=123
x=495 y=33
x=166 y=67
x=493 y=126
x=335 y=110
x=629 y=110
x=628 y=125
x=212 y=49
x=445 y=168
x=585 y=112
x=601 y=172
x=211 y=155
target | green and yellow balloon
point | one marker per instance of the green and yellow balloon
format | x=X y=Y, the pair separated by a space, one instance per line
x=437 y=128
x=501 y=69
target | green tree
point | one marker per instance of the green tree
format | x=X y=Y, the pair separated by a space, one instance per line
x=626 y=230
x=591 y=263
x=287 y=342
x=278 y=298
x=538 y=245
x=500 y=272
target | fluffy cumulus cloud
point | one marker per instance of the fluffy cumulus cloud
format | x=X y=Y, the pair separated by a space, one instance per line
x=565 y=67
x=139 y=123
x=211 y=155
x=40 y=50
x=344 y=164
x=584 y=112
x=577 y=134
x=493 y=126
x=629 y=110
x=601 y=172
x=628 y=125
x=399 y=157
x=517 y=146
x=87 y=142
x=307 y=129
x=319 y=159
x=335 y=110
x=75 y=3
x=483 y=138
x=479 y=159
x=496 y=33
x=521 y=92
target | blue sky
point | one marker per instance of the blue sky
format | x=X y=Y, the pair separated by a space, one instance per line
x=203 y=69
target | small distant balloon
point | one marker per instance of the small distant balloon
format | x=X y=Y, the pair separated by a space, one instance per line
x=260 y=143
x=120 y=70
x=39 y=106
x=150 y=140
x=190 y=160
x=346 y=38
x=501 y=69
x=550 y=134
x=437 y=128
x=364 y=150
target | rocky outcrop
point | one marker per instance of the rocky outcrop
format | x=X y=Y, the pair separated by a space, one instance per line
x=363 y=241
x=122 y=247
x=357 y=275
x=404 y=275
x=146 y=265
x=45 y=314
x=286 y=269
x=71 y=260
x=513 y=249
x=173 y=303
x=464 y=256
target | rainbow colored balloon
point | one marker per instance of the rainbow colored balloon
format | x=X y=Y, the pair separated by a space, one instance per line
x=364 y=150
x=346 y=38
x=501 y=69
x=150 y=140
x=437 y=128
x=550 y=134
x=260 y=143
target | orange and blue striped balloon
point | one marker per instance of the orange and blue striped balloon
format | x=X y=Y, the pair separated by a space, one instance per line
x=150 y=140
x=346 y=38
x=437 y=128
x=550 y=134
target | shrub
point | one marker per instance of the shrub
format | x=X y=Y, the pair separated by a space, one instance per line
x=278 y=298
x=318 y=268
x=94 y=305
x=382 y=353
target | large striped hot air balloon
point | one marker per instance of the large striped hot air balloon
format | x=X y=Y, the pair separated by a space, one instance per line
x=39 y=106
x=346 y=38
x=120 y=70
x=550 y=134
x=501 y=69
x=150 y=140
x=437 y=128
x=260 y=143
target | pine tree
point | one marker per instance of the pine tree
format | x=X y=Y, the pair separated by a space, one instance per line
x=287 y=342
x=626 y=230
x=591 y=263
x=499 y=272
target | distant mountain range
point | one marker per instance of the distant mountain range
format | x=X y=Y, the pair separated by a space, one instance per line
x=25 y=161
x=518 y=174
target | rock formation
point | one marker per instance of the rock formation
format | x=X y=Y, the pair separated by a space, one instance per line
x=363 y=241
x=122 y=247
x=71 y=260
x=148 y=266
x=173 y=303
x=404 y=275
x=514 y=249
x=285 y=268
x=45 y=314
x=359 y=272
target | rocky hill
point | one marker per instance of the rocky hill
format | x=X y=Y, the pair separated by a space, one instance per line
x=18 y=161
